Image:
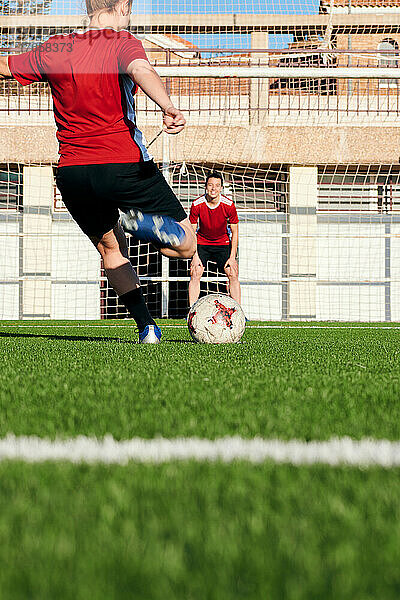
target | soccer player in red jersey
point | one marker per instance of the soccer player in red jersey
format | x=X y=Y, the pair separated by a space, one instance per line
x=210 y=215
x=104 y=165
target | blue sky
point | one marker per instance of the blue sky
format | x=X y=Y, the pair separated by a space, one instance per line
x=210 y=7
x=227 y=6
x=202 y=6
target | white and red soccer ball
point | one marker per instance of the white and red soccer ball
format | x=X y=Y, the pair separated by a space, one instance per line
x=216 y=319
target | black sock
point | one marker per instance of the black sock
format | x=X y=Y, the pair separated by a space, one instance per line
x=137 y=308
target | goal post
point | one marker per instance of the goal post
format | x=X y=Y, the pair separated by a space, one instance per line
x=315 y=179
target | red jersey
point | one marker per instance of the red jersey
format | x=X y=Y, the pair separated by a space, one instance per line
x=213 y=220
x=93 y=97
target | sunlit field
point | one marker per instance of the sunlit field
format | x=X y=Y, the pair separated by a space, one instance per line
x=195 y=529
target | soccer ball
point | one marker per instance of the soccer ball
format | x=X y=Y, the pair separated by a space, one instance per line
x=216 y=319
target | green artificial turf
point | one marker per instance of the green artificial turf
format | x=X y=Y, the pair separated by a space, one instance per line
x=287 y=383
x=198 y=532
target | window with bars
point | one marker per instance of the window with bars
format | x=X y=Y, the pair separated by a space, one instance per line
x=389 y=58
x=10 y=187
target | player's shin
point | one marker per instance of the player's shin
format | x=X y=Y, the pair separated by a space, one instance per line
x=194 y=291
x=137 y=308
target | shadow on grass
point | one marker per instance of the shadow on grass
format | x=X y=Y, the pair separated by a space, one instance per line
x=82 y=338
x=70 y=338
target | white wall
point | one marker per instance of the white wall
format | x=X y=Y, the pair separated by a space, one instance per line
x=351 y=270
x=357 y=270
x=260 y=262
x=9 y=267
x=65 y=253
x=75 y=269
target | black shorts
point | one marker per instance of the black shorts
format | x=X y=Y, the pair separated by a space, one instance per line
x=94 y=193
x=217 y=254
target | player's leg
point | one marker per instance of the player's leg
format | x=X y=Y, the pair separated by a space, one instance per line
x=174 y=239
x=188 y=246
x=114 y=252
x=233 y=283
x=98 y=219
x=123 y=279
x=150 y=210
x=222 y=254
x=196 y=272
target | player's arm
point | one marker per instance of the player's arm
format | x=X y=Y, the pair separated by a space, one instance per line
x=27 y=67
x=5 y=72
x=194 y=219
x=231 y=263
x=146 y=77
x=234 y=239
x=196 y=259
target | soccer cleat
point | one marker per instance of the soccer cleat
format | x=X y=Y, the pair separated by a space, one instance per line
x=162 y=231
x=151 y=334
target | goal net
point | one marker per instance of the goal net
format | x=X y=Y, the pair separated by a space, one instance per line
x=299 y=112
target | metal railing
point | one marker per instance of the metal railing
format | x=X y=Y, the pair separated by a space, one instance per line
x=332 y=84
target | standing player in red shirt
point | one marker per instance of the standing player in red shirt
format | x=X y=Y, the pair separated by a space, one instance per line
x=104 y=165
x=212 y=212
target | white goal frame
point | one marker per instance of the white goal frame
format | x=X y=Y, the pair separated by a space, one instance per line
x=289 y=242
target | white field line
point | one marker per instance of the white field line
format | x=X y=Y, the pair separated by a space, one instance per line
x=286 y=327
x=336 y=451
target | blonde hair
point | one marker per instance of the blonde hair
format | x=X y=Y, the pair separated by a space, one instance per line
x=94 y=6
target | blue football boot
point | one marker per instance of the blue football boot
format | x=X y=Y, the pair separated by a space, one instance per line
x=161 y=231
x=151 y=334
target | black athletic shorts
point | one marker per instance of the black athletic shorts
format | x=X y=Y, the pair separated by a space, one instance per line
x=94 y=193
x=217 y=254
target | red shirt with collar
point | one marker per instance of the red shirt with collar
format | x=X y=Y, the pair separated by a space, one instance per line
x=213 y=220
x=93 y=97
